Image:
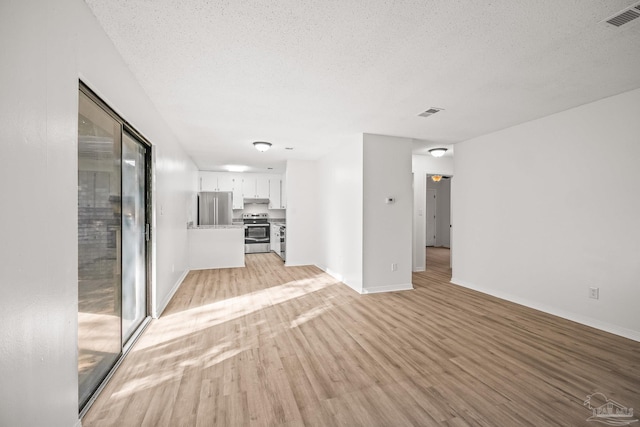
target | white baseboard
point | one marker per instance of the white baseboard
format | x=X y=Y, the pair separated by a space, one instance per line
x=78 y=423
x=160 y=309
x=584 y=320
x=419 y=269
x=339 y=278
x=389 y=288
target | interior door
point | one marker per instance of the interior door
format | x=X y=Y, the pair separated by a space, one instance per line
x=431 y=217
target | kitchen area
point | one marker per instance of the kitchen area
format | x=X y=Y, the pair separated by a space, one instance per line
x=237 y=214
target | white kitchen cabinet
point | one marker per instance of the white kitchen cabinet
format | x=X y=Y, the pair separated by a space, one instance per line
x=216 y=181
x=262 y=186
x=276 y=193
x=277 y=196
x=238 y=198
x=225 y=181
x=246 y=185
x=273 y=238
x=256 y=186
x=208 y=181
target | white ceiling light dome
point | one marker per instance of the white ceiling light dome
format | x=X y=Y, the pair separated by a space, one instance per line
x=262 y=146
x=437 y=152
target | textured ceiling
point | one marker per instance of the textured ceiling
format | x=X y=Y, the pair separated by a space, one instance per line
x=310 y=74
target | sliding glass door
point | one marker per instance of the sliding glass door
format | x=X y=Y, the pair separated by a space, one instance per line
x=134 y=233
x=99 y=242
x=113 y=180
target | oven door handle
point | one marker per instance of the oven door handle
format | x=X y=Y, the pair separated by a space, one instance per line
x=256 y=240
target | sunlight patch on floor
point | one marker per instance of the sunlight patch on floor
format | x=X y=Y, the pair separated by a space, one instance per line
x=179 y=324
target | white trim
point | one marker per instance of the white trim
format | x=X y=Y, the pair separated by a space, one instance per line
x=578 y=318
x=389 y=288
x=419 y=269
x=333 y=274
x=338 y=277
x=78 y=423
x=160 y=309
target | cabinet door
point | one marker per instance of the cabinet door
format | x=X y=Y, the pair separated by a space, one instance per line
x=208 y=181
x=283 y=192
x=225 y=181
x=238 y=198
x=249 y=186
x=262 y=186
x=273 y=238
x=275 y=186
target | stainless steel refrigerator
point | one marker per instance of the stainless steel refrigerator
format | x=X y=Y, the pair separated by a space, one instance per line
x=215 y=208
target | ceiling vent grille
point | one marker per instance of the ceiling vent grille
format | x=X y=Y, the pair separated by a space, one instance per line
x=430 y=112
x=624 y=16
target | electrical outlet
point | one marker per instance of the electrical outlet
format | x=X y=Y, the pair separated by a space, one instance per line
x=594 y=293
x=394 y=266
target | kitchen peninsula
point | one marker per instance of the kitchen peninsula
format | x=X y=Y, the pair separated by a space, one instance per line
x=216 y=246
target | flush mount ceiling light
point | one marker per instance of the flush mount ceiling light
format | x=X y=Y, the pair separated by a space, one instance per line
x=436 y=178
x=438 y=152
x=262 y=145
x=236 y=168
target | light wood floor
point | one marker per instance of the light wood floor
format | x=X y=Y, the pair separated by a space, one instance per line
x=269 y=345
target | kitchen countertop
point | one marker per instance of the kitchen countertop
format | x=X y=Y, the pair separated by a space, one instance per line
x=213 y=227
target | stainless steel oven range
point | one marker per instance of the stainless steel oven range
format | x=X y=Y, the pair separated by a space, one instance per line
x=256 y=233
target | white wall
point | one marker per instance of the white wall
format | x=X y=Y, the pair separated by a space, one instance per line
x=176 y=176
x=38 y=223
x=421 y=166
x=46 y=46
x=339 y=204
x=544 y=245
x=387 y=228
x=302 y=213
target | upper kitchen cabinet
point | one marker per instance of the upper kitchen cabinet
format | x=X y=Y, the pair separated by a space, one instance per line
x=256 y=186
x=216 y=181
x=224 y=181
x=276 y=192
x=238 y=198
x=246 y=186
x=208 y=181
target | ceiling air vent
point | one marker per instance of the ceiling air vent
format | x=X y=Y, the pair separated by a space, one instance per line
x=431 y=111
x=624 y=16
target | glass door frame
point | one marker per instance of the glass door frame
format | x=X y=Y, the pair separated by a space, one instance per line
x=125 y=127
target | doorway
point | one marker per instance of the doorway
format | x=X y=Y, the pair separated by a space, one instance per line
x=430 y=216
x=438 y=214
x=113 y=235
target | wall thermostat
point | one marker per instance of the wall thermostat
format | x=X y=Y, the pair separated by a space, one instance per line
x=390 y=200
